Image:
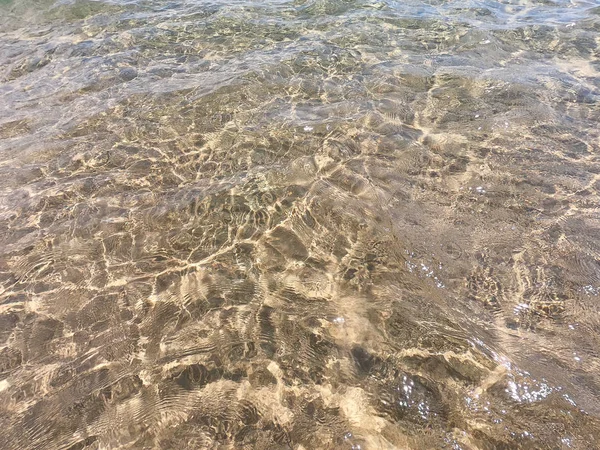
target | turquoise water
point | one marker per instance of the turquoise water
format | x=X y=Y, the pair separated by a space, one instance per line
x=307 y=225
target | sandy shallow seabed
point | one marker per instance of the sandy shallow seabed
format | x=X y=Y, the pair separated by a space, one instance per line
x=327 y=224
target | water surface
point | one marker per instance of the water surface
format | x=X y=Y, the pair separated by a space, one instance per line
x=325 y=224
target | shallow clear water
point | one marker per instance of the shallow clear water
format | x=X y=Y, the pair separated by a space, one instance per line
x=328 y=224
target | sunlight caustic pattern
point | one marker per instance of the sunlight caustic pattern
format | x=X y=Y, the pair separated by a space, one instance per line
x=307 y=224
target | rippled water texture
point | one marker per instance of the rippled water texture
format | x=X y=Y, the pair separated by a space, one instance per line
x=321 y=224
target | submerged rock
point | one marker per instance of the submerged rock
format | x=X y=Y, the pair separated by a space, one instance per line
x=128 y=74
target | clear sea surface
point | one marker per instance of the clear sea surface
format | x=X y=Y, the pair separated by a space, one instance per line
x=320 y=224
